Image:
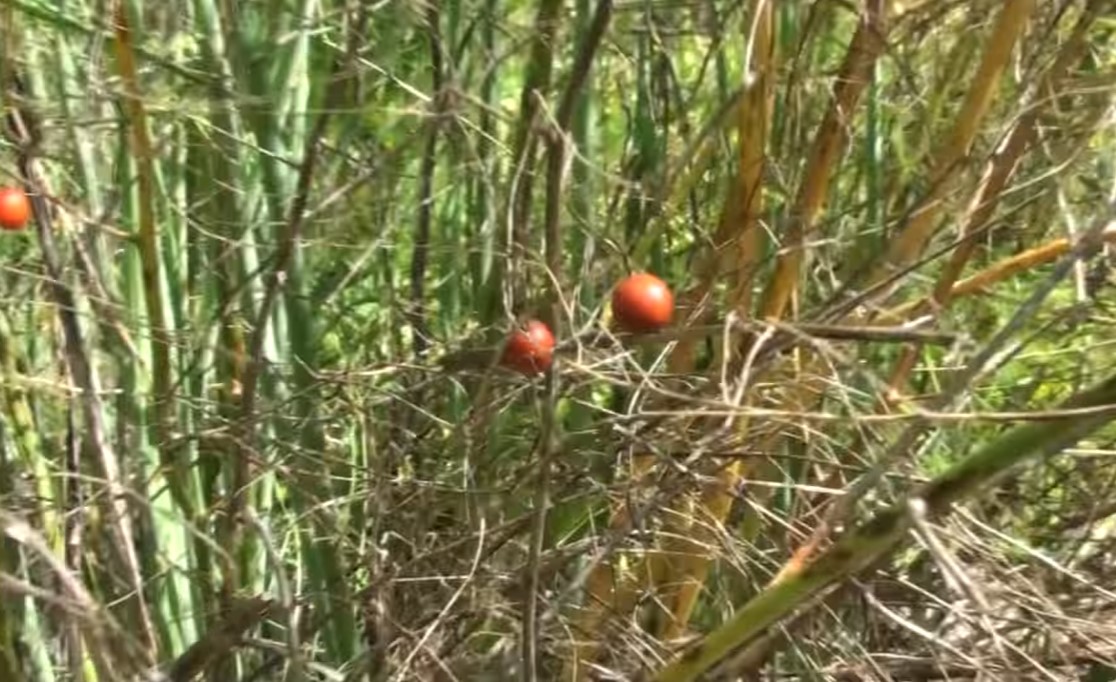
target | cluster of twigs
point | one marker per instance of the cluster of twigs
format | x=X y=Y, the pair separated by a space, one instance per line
x=277 y=443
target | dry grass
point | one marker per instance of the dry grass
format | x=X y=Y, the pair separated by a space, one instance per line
x=250 y=422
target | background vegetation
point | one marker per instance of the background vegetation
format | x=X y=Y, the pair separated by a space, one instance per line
x=250 y=430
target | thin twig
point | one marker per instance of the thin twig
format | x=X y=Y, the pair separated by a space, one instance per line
x=557 y=169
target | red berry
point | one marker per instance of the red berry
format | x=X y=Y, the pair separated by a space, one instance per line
x=529 y=350
x=642 y=303
x=15 y=208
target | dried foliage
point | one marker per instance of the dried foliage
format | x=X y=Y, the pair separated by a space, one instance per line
x=252 y=422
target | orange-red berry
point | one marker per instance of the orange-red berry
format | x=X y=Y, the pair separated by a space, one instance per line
x=15 y=208
x=642 y=303
x=529 y=350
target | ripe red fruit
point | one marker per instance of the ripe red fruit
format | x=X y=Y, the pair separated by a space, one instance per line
x=15 y=208
x=642 y=303
x=529 y=350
